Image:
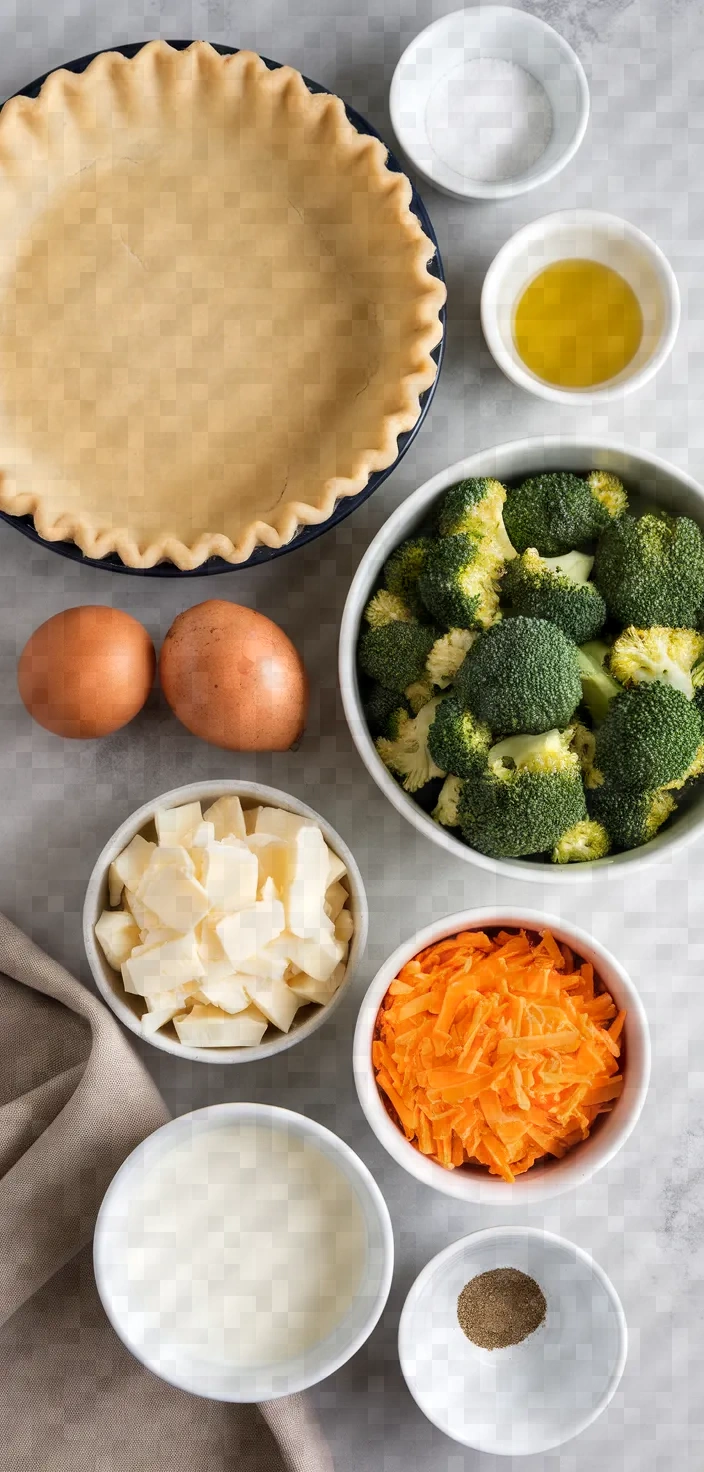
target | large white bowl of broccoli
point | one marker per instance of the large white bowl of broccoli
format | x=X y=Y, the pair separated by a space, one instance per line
x=522 y=658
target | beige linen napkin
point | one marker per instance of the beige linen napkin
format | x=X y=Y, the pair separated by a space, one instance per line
x=74 y=1101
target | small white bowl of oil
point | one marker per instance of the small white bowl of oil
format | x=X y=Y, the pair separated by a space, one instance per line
x=489 y=102
x=580 y=306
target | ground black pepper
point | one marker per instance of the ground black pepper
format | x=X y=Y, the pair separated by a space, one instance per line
x=500 y=1308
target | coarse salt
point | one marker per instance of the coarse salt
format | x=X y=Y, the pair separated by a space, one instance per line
x=489 y=120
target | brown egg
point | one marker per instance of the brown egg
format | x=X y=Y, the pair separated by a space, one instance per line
x=86 y=672
x=233 y=678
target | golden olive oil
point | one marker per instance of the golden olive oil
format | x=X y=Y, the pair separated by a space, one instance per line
x=577 y=323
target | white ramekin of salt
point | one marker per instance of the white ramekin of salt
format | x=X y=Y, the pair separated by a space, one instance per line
x=489 y=102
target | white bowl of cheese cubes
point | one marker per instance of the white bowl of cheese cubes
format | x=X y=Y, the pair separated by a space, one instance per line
x=223 y=921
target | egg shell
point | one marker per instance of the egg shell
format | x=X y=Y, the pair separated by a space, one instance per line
x=86 y=672
x=233 y=678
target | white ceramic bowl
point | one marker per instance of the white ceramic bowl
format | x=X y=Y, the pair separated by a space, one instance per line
x=432 y=81
x=542 y=1181
x=537 y=1394
x=582 y=234
x=226 y=1382
x=129 y=1009
x=655 y=481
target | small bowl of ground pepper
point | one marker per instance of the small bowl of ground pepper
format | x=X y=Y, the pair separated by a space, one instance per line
x=512 y=1341
x=502 y=1057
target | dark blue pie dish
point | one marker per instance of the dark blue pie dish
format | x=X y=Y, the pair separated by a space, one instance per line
x=344 y=507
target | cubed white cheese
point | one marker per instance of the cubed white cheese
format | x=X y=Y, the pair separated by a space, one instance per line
x=317 y=956
x=128 y=868
x=161 y=968
x=267 y=963
x=336 y=868
x=155 y=935
x=250 y=819
x=117 y=936
x=308 y=989
x=246 y=933
x=176 y=826
x=162 y=1006
x=273 y=858
x=304 y=896
x=210 y=1027
x=215 y=962
x=280 y=823
x=344 y=927
x=230 y=876
x=275 y=999
x=143 y=917
x=171 y=891
x=227 y=818
x=228 y=993
x=336 y=897
x=203 y=835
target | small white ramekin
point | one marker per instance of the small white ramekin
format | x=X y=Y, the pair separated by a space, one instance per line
x=539 y=1393
x=648 y=479
x=542 y=1181
x=434 y=63
x=585 y=235
x=129 y=1008
x=262 y=1382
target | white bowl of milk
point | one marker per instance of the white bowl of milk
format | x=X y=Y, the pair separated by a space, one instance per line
x=243 y=1252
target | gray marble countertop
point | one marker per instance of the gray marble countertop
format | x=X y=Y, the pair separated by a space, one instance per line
x=643 y=1216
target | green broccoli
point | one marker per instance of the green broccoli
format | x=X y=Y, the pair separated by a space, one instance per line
x=598 y=687
x=476 y=506
x=650 y=571
x=609 y=491
x=456 y=741
x=558 y=511
x=583 y=843
x=395 y=654
x=650 y=738
x=380 y=705
x=447 y=655
x=675 y=656
x=459 y=582
x=386 y=608
x=521 y=675
x=406 y=752
x=403 y=569
x=525 y=798
x=584 y=743
x=446 y=809
x=630 y=818
x=556 y=588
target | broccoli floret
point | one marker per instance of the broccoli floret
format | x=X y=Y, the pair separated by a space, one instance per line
x=406 y=754
x=521 y=675
x=527 y=796
x=447 y=655
x=456 y=741
x=476 y=506
x=403 y=569
x=379 y=707
x=609 y=491
x=582 y=843
x=395 y=654
x=386 y=608
x=557 y=588
x=584 y=743
x=446 y=809
x=598 y=687
x=650 y=738
x=630 y=818
x=419 y=693
x=556 y=512
x=651 y=571
x=640 y=656
x=459 y=582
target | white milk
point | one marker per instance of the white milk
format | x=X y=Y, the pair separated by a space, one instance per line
x=243 y=1246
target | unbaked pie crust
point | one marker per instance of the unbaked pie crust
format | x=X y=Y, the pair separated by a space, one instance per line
x=216 y=315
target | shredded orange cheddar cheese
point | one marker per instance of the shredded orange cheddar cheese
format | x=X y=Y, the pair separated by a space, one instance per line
x=497 y=1050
